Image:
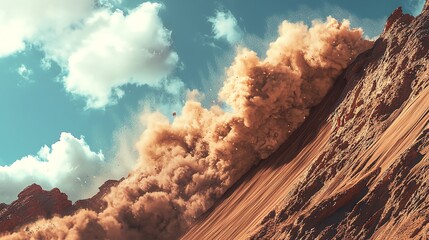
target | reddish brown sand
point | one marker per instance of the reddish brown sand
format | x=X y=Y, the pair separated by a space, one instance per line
x=358 y=168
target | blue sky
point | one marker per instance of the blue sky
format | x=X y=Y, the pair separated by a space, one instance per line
x=53 y=83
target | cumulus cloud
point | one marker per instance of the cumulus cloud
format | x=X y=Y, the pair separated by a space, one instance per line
x=99 y=49
x=21 y=21
x=186 y=165
x=111 y=50
x=24 y=72
x=225 y=26
x=68 y=164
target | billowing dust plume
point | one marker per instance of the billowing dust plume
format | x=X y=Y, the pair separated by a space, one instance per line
x=186 y=165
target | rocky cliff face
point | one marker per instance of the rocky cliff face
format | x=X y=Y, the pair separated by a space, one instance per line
x=34 y=203
x=358 y=167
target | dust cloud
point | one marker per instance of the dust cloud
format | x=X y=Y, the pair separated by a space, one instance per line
x=186 y=165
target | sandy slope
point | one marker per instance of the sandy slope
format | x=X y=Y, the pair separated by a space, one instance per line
x=264 y=187
x=357 y=168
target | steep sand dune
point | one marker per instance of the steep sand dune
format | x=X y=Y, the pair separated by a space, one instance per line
x=247 y=203
x=358 y=167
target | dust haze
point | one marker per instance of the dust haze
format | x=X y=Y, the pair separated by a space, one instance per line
x=186 y=165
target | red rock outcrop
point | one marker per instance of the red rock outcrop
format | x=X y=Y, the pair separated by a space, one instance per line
x=96 y=202
x=33 y=203
x=3 y=206
x=358 y=167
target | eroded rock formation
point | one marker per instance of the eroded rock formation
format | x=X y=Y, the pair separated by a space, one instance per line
x=34 y=203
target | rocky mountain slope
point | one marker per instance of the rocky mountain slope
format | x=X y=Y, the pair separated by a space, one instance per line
x=358 y=167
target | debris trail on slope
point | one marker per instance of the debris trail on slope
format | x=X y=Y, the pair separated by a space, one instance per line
x=186 y=165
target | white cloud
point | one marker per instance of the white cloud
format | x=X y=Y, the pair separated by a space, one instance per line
x=24 y=72
x=68 y=164
x=98 y=49
x=22 y=20
x=225 y=26
x=110 y=3
x=45 y=64
x=174 y=86
x=118 y=50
